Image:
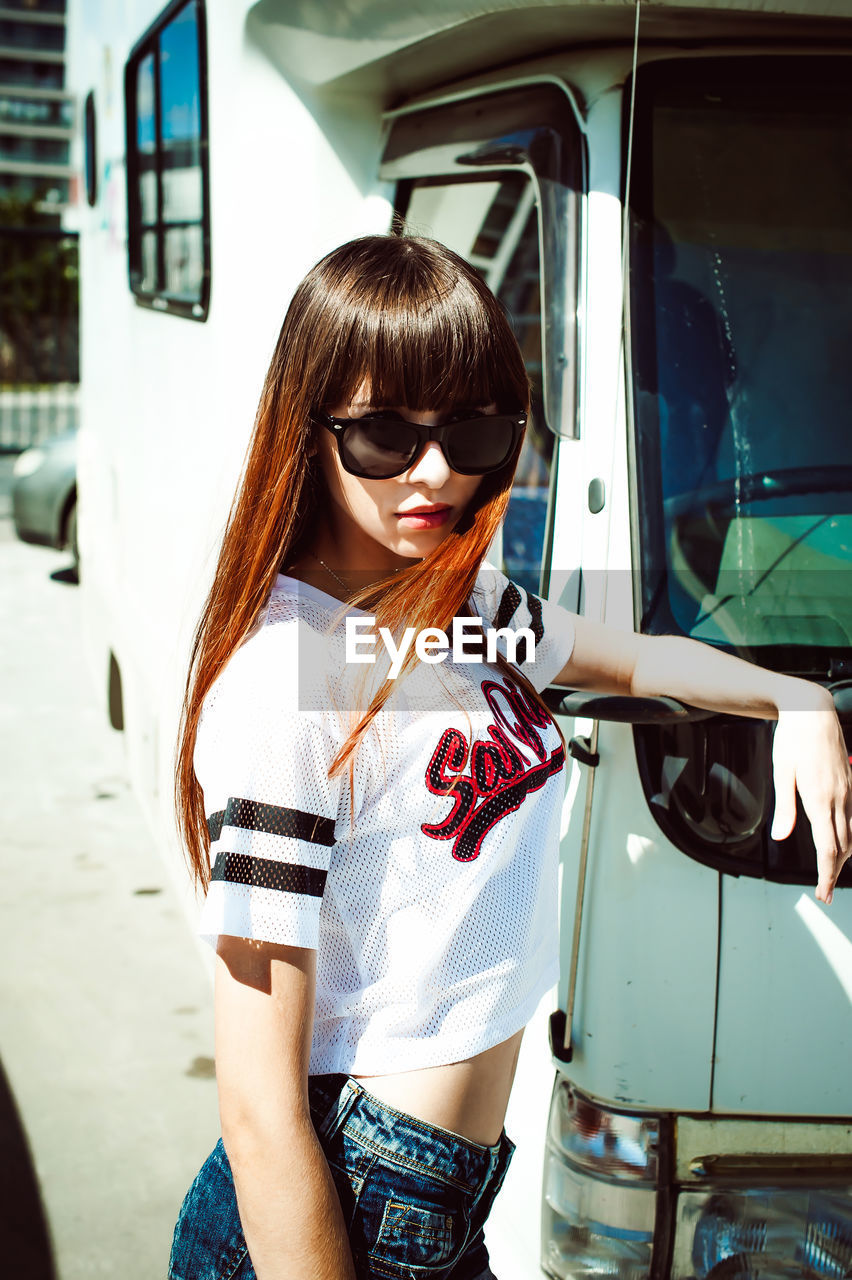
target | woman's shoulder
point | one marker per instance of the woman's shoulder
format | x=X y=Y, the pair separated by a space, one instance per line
x=507 y=606
x=277 y=666
x=496 y=594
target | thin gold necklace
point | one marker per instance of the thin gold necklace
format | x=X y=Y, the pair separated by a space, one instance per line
x=329 y=569
x=336 y=576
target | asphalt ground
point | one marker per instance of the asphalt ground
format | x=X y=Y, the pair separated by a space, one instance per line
x=107 y=1097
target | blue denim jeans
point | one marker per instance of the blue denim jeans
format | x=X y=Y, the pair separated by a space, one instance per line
x=414 y=1197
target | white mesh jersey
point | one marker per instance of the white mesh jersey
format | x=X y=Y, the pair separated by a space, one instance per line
x=433 y=914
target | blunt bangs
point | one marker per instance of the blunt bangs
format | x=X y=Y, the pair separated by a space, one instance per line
x=419 y=324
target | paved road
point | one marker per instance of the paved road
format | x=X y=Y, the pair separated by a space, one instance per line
x=107 y=1102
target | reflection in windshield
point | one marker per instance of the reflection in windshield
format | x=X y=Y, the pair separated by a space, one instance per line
x=742 y=302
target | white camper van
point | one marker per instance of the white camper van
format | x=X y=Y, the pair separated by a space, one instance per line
x=661 y=196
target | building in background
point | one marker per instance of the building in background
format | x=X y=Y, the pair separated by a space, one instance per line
x=38 y=260
x=36 y=111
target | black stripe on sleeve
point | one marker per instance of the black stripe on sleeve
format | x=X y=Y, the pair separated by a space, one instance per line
x=536 y=620
x=214 y=824
x=252 y=815
x=509 y=602
x=240 y=868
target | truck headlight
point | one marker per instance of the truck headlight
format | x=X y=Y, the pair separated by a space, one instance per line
x=765 y=1232
x=600 y=1189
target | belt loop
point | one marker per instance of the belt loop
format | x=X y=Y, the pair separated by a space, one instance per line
x=494 y=1159
x=507 y=1150
x=485 y=1190
x=504 y=1157
x=340 y=1108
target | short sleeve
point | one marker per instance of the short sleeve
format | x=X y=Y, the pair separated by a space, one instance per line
x=271 y=811
x=506 y=606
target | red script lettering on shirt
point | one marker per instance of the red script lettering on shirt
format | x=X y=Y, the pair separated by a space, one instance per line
x=498 y=778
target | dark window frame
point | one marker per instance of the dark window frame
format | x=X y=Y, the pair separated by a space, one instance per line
x=91 y=148
x=158 y=299
x=522 y=127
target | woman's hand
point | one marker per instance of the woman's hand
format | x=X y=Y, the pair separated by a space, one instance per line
x=809 y=755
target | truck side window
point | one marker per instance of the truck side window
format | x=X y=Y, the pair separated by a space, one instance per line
x=492 y=221
x=167 y=177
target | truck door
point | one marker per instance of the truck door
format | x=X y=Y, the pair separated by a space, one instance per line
x=742 y=288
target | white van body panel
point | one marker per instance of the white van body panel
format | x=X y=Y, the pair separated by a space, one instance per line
x=401 y=49
x=643 y=1020
x=784 y=1032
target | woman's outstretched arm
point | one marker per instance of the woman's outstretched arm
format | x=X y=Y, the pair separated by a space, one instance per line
x=288 y=1204
x=809 y=752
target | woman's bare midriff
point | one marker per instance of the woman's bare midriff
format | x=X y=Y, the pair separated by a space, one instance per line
x=468 y=1098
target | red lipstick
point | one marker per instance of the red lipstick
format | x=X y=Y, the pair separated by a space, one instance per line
x=425 y=517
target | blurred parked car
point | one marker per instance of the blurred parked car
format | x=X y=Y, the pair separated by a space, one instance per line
x=44 y=494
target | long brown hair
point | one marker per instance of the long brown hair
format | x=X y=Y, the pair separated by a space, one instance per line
x=421 y=326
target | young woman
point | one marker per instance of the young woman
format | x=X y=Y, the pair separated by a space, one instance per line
x=383 y=838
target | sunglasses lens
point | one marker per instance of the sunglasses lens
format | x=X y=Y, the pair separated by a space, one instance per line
x=480 y=445
x=378 y=447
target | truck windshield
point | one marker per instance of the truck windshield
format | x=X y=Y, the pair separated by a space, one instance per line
x=741 y=324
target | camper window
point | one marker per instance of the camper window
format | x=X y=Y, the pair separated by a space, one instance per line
x=167 y=179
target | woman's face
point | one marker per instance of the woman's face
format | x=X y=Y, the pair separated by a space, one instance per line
x=374 y=522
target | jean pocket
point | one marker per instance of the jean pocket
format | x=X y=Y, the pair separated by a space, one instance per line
x=418 y=1236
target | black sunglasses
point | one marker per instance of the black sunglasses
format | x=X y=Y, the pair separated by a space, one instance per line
x=382 y=445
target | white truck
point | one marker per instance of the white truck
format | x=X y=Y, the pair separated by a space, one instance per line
x=661 y=196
